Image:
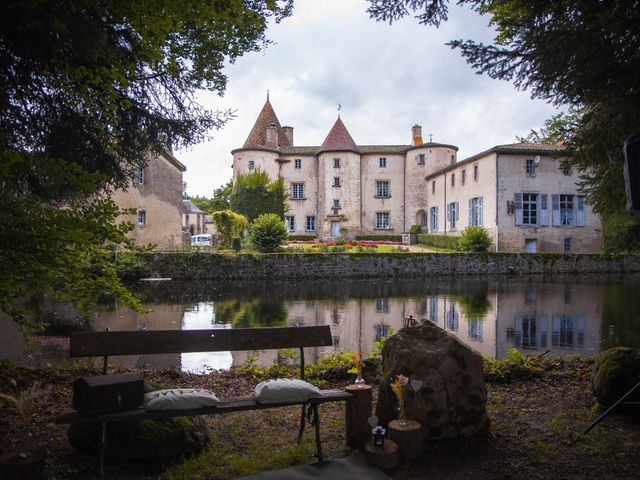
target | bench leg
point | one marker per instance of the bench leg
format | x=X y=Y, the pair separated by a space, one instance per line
x=102 y=443
x=316 y=422
x=302 y=421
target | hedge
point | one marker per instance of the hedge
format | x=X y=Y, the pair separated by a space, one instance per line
x=441 y=241
x=390 y=238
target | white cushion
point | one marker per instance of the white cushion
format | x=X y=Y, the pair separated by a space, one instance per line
x=180 y=399
x=285 y=390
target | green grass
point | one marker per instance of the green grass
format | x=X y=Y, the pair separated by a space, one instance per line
x=309 y=248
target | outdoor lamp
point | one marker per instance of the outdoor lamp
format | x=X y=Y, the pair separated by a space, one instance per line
x=378 y=436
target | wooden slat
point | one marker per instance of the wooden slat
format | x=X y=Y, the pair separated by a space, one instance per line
x=235 y=404
x=95 y=344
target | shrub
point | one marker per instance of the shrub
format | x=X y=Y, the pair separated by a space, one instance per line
x=302 y=237
x=474 y=239
x=440 y=241
x=131 y=266
x=268 y=232
x=415 y=229
x=236 y=244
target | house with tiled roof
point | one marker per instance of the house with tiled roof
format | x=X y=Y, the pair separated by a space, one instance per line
x=519 y=192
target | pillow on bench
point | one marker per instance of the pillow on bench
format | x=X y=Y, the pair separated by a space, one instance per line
x=180 y=399
x=285 y=390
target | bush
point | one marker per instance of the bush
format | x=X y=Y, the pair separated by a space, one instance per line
x=390 y=238
x=440 y=241
x=415 y=229
x=131 y=266
x=268 y=232
x=474 y=239
x=236 y=244
x=302 y=237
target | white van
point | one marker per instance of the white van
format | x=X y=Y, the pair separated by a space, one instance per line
x=203 y=241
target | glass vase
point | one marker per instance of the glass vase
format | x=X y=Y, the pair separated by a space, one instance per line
x=359 y=381
x=402 y=414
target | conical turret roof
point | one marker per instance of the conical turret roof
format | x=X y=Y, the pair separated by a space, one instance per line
x=338 y=139
x=258 y=135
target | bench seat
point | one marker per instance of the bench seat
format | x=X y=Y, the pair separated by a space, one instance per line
x=226 y=405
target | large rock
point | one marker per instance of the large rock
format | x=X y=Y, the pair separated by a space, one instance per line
x=452 y=400
x=615 y=372
x=162 y=439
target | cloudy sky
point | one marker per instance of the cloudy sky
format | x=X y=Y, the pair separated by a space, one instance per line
x=386 y=77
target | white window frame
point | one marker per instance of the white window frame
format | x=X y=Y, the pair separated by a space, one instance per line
x=290 y=221
x=382 y=162
x=311 y=223
x=433 y=224
x=297 y=191
x=382 y=189
x=453 y=214
x=142 y=218
x=475 y=211
x=382 y=221
x=530 y=167
x=382 y=304
x=297 y=164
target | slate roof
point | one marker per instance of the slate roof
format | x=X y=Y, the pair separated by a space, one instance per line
x=258 y=135
x=365 y=149
x=339 y=139
x=189 y=207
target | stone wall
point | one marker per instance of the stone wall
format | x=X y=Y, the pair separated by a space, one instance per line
x=205 y=265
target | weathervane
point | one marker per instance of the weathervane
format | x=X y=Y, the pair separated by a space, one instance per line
x=430 y=137
x=339 y=108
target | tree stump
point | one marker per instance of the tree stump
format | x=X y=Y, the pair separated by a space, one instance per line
x=408 y=437
x=385 y=457
x=358 y=411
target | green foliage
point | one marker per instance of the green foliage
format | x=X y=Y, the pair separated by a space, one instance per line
x=389 y=238
x=474 y=239
x=131 y=266
x=513 y=366
x=98 y=89
x=441 y=241
x=268 y=232
x=415 y=229
x=221 y=199
x=254 y=194
x=379 y=344
x=302 y=237
x=621 y=232
x=229 y=225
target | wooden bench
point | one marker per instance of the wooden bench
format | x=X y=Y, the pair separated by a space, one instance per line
x=105 y=344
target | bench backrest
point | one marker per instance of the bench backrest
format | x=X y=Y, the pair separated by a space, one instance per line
x=98 y=344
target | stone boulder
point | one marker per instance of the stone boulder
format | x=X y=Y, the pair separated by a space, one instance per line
x=615 y=372
x=155 y=440
x=451 y=402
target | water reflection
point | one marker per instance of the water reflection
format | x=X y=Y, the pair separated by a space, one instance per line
x=554 y=315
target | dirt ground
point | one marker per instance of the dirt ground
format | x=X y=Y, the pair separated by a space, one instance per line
x=535 y=431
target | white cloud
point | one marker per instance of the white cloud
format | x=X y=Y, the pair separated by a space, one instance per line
x=387 y=78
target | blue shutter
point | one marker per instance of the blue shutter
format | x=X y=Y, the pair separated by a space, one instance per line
x=555 y=206
x=449 y=212
x=518 y=208
x=457 y=211
x=480 y=213
x=470 y=212
x=580 y=214
x=544 y=211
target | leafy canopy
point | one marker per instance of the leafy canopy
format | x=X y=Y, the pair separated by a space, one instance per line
x=89 y=91
x=254 y=194
x=219 y=201
x=584 y=55
x=229 y=225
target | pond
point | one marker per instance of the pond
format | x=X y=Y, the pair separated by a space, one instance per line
x=579 y=315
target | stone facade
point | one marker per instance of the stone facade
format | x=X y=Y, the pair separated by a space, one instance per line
x=341 y=189
x=156 y=195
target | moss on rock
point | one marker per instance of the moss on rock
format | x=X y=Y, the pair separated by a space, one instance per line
x=614 y=372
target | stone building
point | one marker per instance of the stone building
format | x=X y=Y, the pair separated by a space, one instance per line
x=341 y=189
x=156 y=195
x=193 y=218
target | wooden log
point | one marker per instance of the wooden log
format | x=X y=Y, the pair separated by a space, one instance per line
x=358 y=411
x=408 y=437
x=385 y=457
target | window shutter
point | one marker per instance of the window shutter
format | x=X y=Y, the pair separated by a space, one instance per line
x=449 y=212
x=544 y=211
x=580 y=217
x=480 y=208
x=470 y=212
x=555 y=206
x=518 y=208
x=457 y=211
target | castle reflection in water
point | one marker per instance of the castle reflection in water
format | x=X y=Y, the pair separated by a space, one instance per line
x=557 y=316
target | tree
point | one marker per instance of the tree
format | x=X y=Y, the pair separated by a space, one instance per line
x=268 y=232
x=474 y=239
x=584 y=55
x=219 y=201
x=255 y=194
x=89 y=91
x=229 y=225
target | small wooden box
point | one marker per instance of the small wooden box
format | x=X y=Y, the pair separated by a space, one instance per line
x=108 y=393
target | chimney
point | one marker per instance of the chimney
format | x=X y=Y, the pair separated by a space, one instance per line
x=416 y=135
x=288 y=132
x=272 y=136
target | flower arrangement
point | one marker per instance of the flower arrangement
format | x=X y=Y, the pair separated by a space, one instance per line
x=356 y=361
x=398 y=386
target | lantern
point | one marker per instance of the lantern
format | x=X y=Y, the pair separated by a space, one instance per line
x=378 y=436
